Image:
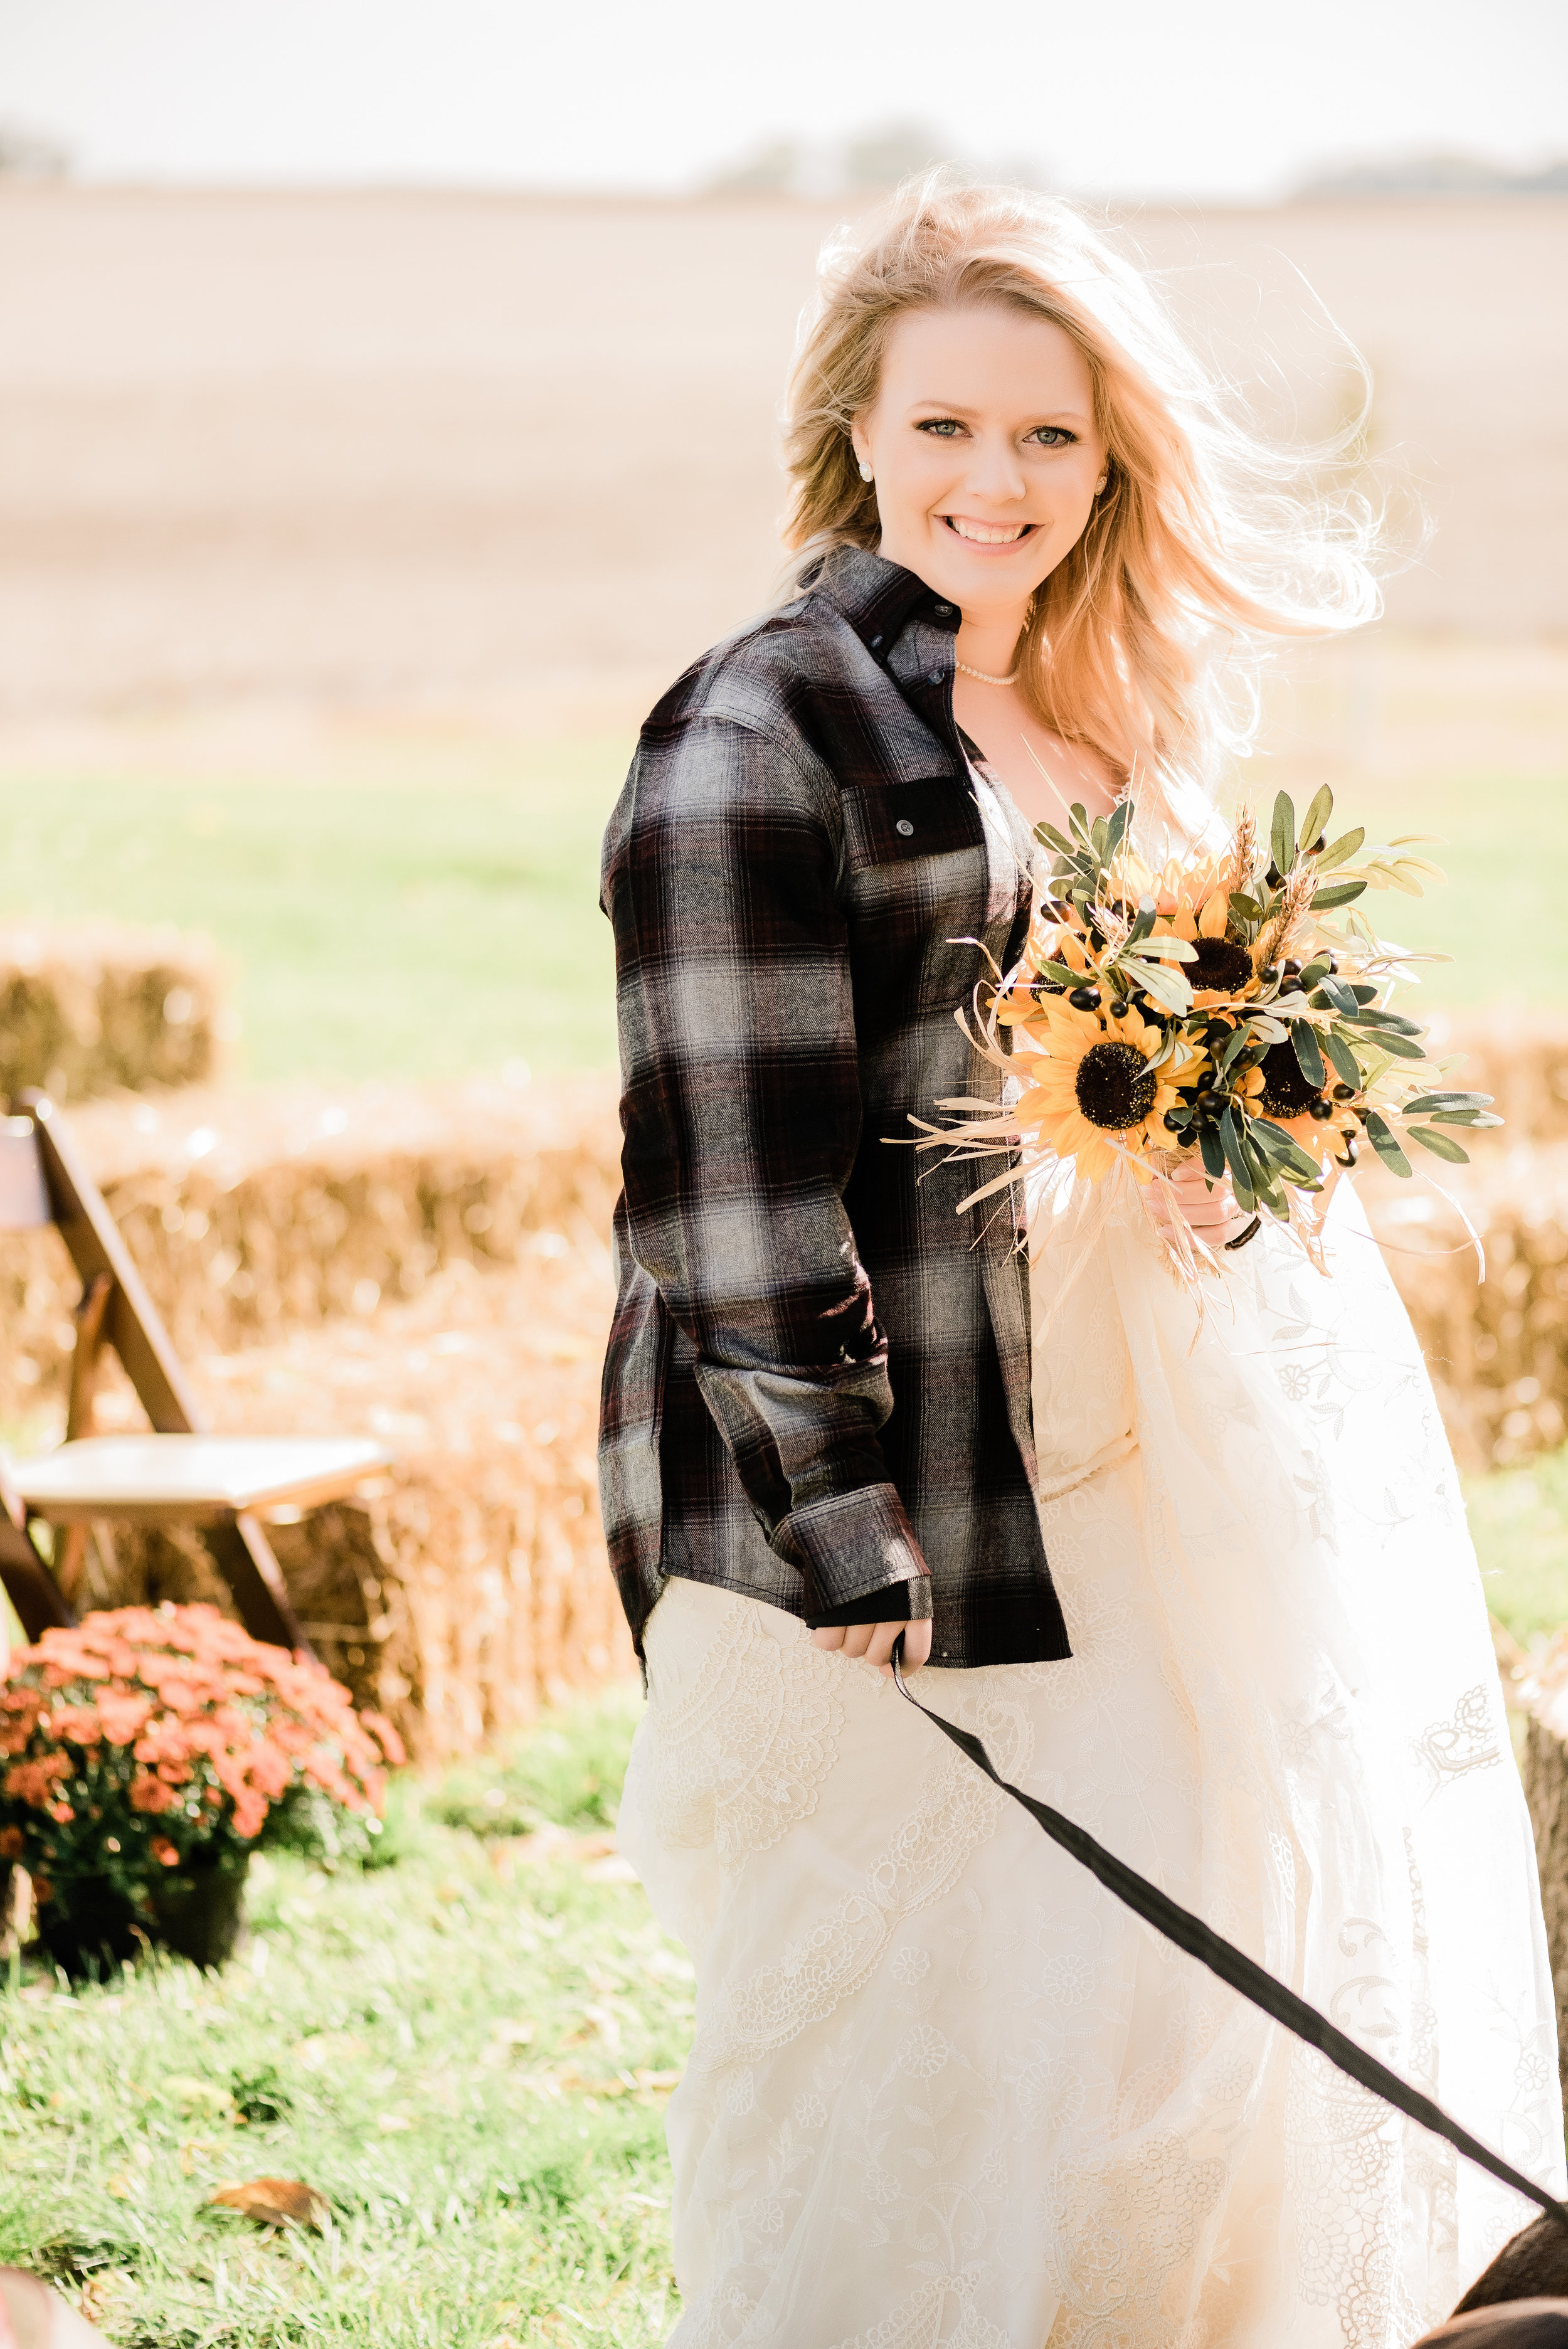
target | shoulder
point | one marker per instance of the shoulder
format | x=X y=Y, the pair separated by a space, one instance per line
x=766 y=677
x=762 y=718
x=729 y=762
x=783 y=716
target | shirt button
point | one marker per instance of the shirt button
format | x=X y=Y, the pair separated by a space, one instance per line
x=936 y=677
x=942 y=610
x=904 y=825
x=875 y=642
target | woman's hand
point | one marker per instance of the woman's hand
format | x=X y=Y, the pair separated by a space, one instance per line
x=1211 y=1210
x=874 y=1642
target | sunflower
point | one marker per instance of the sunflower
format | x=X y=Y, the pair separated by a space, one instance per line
x=1194 y=902
x=1287 y=1093
x=1091 y=1093
x=1279 y=1092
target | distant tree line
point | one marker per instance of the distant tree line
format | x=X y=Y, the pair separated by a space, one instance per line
x=30 y=154
x=1435 y=174
x=863 y=162
x=879 y=157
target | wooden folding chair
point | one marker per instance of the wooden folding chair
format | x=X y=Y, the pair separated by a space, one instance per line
x=32 y=1589
x=179 y=1474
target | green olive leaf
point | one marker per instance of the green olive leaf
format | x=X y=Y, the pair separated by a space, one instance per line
x=1339 y=850
x=1282 y=833
x=1441 y=1145
x=1319 y=810
x=1308 y=1057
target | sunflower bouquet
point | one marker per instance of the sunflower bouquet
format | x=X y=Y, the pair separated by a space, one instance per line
x=1233 y=1004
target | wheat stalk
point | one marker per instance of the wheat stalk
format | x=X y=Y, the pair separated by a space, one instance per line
x=1275 y=937
x=1244 y=849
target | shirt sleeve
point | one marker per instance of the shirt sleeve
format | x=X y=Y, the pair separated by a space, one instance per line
x=889 y=1605
x=741 y=1112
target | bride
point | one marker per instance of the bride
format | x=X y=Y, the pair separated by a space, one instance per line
x=1209 y=1590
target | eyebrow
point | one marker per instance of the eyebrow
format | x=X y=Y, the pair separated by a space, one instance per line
x=956 y=408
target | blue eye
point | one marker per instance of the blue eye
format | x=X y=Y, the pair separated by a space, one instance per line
x=1052 y=436
x=944 y=427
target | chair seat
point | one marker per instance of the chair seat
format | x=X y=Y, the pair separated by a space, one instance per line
x=193 y=1480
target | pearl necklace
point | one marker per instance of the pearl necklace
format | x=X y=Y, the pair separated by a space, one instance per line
x=982 y=676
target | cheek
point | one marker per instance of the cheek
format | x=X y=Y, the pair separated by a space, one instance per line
x=1070 y=497
x=919 y=476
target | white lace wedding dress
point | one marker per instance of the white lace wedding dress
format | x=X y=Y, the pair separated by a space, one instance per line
x=945 y=2093
x=943 y=2089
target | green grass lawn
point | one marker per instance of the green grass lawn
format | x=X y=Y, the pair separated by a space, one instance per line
x=465 y=2050
x=374 y=930
x=1506 y=846
x=408 y=931
x=1519 y=1518
x=447 y=2047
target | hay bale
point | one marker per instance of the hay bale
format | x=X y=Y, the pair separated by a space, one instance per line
x=252 y=1213
x=1521 y=1058
x=1541 y=1692
x=94 y=1006
x=1498 y=1349
x=469 y=1586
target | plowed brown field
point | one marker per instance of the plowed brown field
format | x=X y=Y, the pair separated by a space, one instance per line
x=510 y=461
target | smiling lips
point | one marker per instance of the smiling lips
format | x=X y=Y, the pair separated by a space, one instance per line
x=987 y=534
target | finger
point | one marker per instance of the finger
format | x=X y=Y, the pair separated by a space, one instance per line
x=879 y=1648
x=916 y=1651
x=916 y=1645
x=829 y=1635
x=1214 y=1218
x=1207 y=1206
x=858 y=1637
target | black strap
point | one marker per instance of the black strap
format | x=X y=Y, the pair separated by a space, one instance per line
x=1243 y=1973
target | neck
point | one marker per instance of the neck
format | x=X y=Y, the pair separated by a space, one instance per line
x=990 y=640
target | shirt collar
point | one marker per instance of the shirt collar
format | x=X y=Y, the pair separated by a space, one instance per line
x=878 y=599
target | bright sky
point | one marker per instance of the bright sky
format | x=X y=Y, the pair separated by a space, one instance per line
x=1221 y=97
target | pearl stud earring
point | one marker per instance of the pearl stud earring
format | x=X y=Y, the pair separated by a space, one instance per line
x=865 y=471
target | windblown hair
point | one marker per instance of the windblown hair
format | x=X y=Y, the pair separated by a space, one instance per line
x=1147 y=640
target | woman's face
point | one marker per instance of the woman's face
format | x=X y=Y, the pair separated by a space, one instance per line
x=983 y=446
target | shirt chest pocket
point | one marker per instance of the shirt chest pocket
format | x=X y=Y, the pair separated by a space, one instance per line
x=894 y=824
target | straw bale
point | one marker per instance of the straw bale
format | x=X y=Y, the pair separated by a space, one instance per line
x=1521 y=1058
x=1498 y=1349
x=250 y=1214
x=92 y=1006
x=1537 y=1687
x=469 y=1586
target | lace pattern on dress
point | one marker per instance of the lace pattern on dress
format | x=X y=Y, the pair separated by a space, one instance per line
x=945 y=2093
x=741 y=1754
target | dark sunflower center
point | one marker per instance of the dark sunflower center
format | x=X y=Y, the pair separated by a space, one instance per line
x=1219 y=964
x=1114 y=1087
x=1286 y=1091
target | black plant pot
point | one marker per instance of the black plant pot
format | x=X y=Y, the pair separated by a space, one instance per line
x=200 y=1916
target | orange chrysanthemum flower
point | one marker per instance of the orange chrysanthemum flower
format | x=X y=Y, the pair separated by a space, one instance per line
x=176 y=1715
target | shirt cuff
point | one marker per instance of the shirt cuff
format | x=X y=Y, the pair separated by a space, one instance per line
x=889 y=1604
x=849 y=1545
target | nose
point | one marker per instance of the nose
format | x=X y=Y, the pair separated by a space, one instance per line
x=997 y=473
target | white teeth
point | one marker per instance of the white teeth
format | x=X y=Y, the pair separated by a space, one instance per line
x=984 y=537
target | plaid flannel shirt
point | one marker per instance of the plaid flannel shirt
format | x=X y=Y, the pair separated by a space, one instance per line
x=817 y=1377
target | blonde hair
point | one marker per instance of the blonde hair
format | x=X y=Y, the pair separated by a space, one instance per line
x=1146 y=641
